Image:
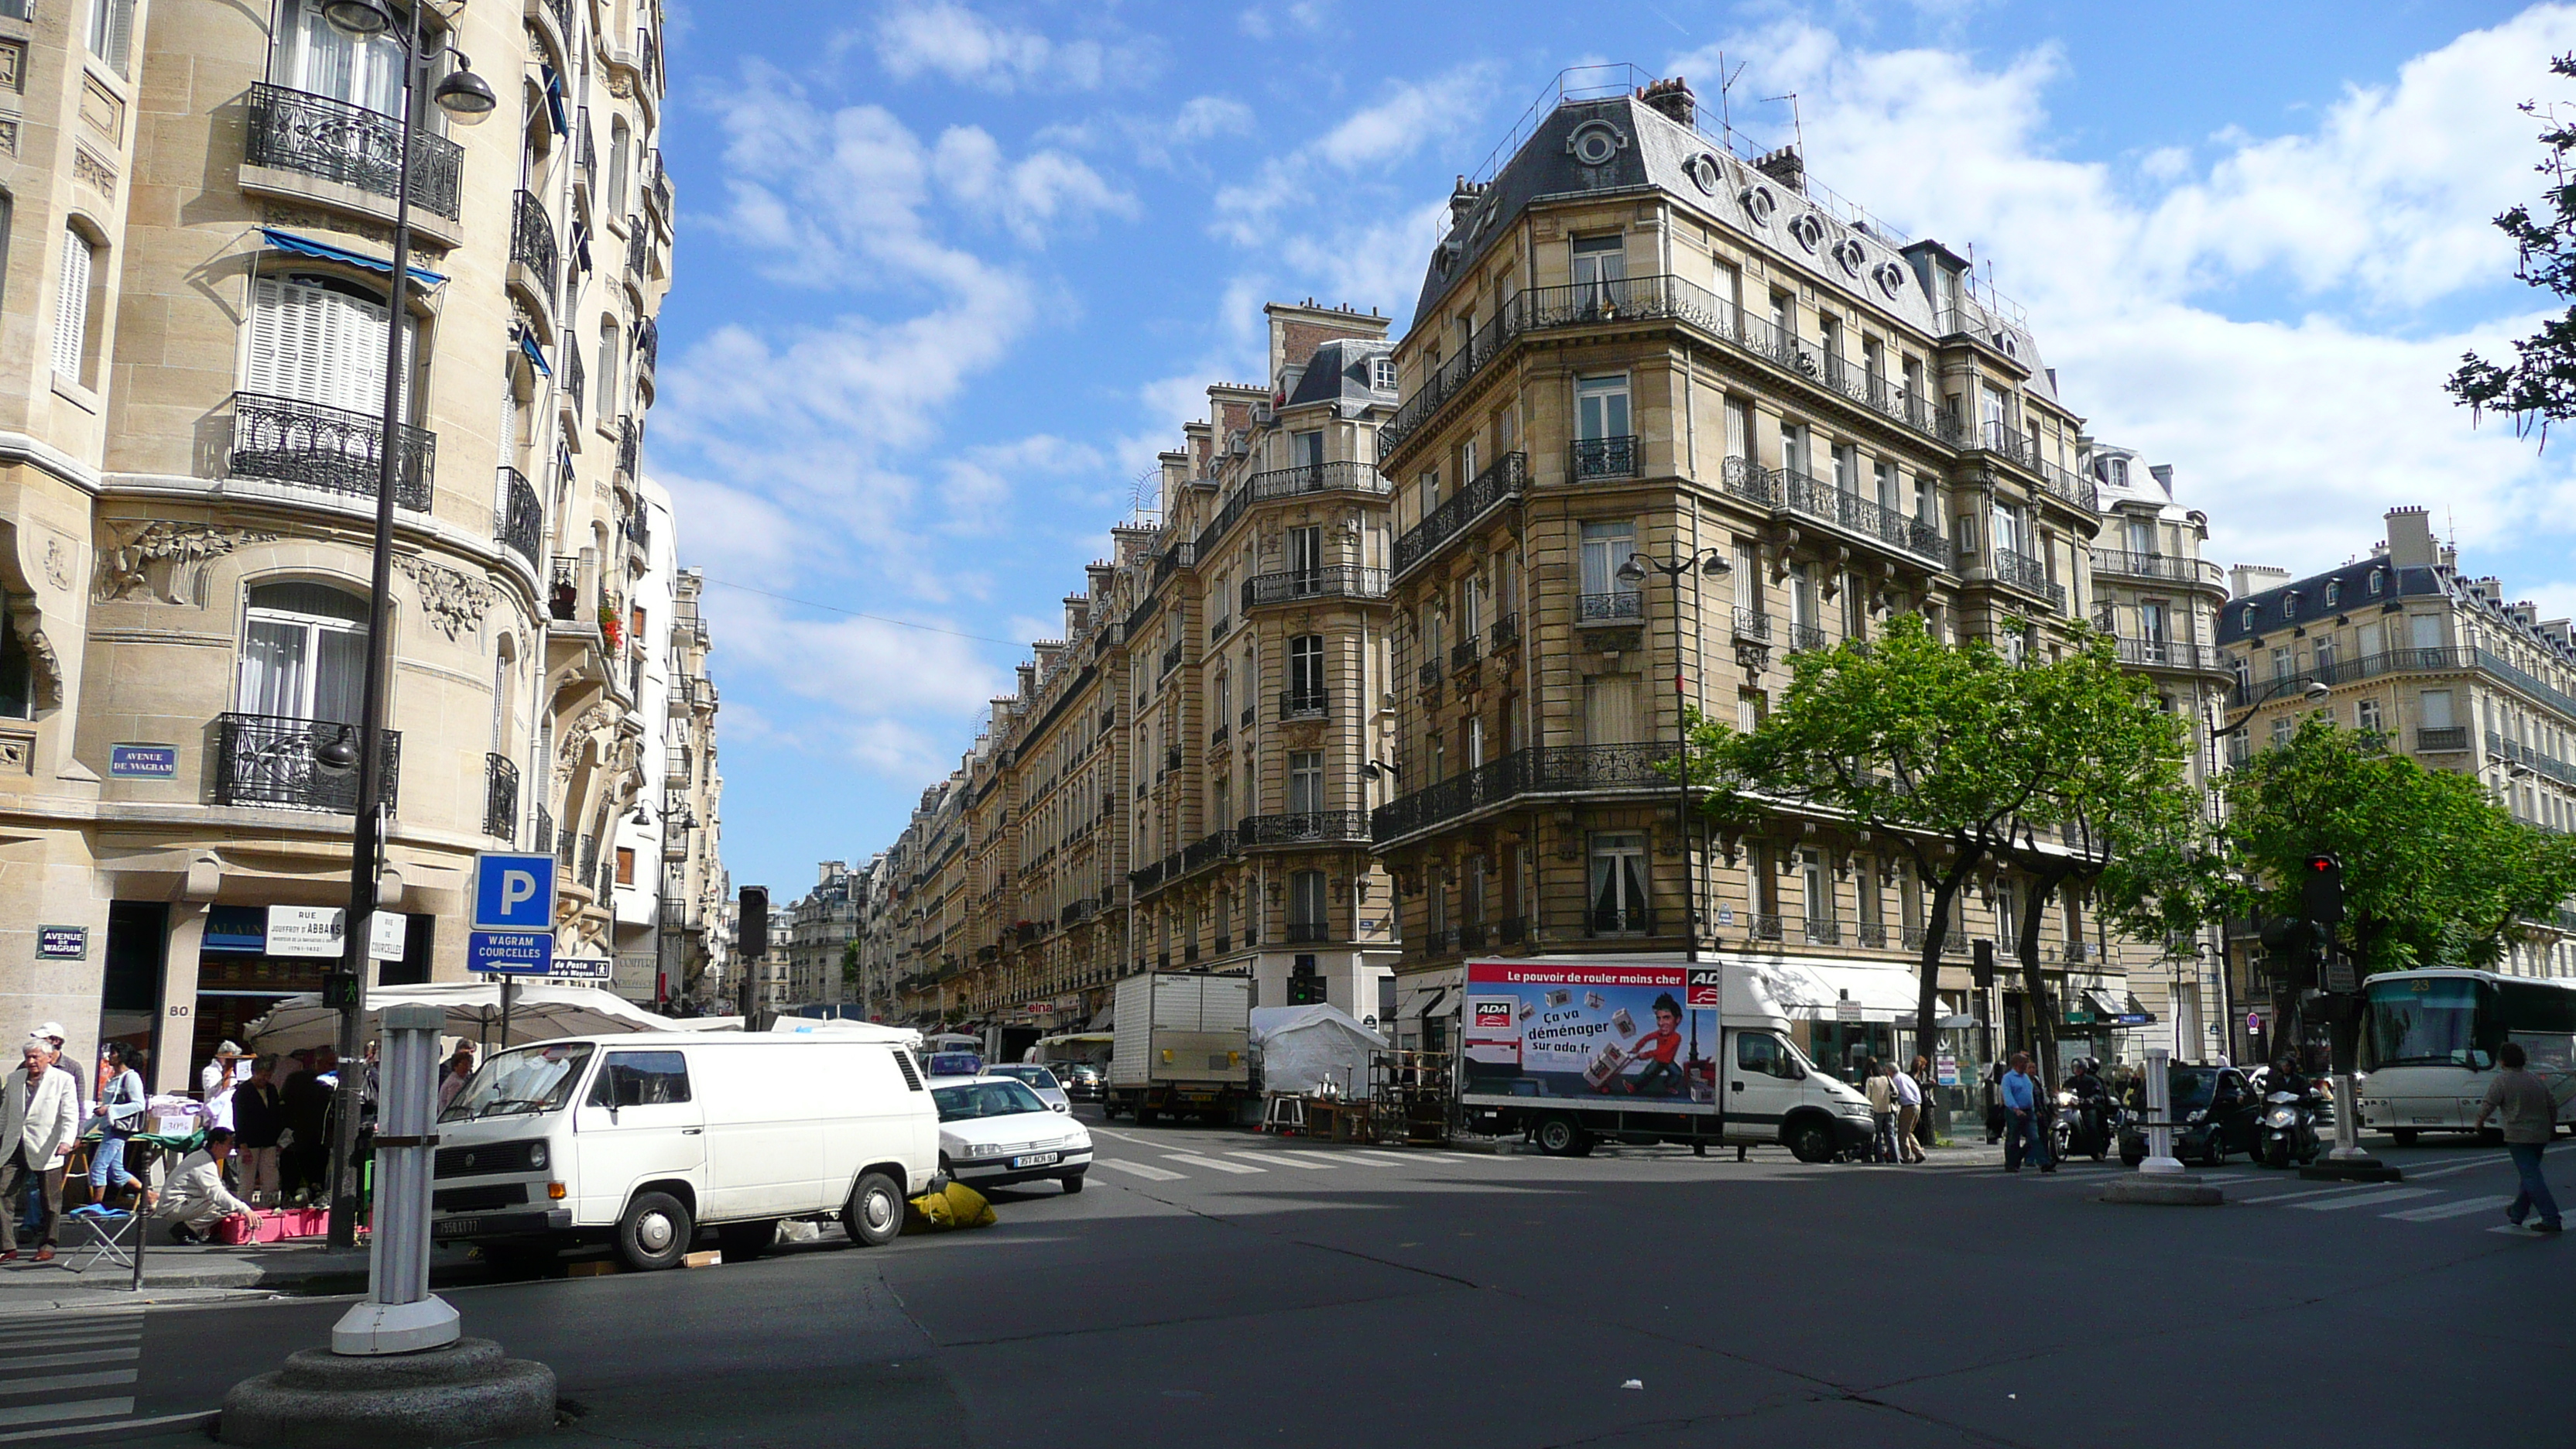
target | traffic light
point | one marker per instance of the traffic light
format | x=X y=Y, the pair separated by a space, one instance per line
x=340 y=990
x=2321 y=890
x=752 y=920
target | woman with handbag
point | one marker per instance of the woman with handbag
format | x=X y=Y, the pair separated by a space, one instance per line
x=119 y=1114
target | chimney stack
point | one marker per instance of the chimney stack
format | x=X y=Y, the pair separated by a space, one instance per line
x=2410 y=538
x=1672 y=98
x=1785 y=166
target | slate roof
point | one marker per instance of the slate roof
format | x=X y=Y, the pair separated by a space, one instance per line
x=1344 y=370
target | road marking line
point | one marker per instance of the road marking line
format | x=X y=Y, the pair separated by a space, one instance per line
x=1213 y=1164
x=1150 y=1174
x=2367 y=1199
x=1279 y=1159
x=53 y=1383
x=1121 y=1136
x=57 y=1360
x=199 y=1416
x=2440 y=1211
x=2312 y=1192
x=2457 y=1167
x=69 y=1340
x=1395 y=1158
x=85 y=1409
x=1321 y=1161
x=2516 y=1229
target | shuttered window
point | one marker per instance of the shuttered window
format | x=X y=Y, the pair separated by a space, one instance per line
x=71 y=310
x=316 y=340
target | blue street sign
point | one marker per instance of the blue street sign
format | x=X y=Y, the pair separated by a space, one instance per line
x=143 y=762
x=514 y=892
x=510 y=953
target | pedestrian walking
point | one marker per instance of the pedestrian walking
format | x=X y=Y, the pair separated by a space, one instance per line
x=1909 y=1109
x=258 y=1118
x=2026 y=1136
x=219 y=1080
x=119 y=1116
x=1878 y=1082
x=304 y=1149
x=2530 y=1119
x=52 y=1032
x=39 y=1116
x=1996 y=1118
x=197 y=1200
x=1925 y=1082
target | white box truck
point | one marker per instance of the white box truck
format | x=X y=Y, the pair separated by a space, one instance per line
x=1570 y=1052
x=1181 y=1042
x=640 y=1141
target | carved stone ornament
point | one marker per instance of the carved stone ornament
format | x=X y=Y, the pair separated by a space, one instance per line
x=58 y=561
x=594 y=721
x=453 y=601
x=167 y=559
x=17 y=754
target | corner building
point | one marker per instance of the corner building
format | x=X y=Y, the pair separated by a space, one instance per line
x=1631 y=340
x=198 y=250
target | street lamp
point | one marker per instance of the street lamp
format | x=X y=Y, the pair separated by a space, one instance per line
x=467 y=97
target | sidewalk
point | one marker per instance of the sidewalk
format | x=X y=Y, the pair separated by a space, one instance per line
x=198 y=1273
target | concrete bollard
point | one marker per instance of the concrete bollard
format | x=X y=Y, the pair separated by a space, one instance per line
x=2160 y=1180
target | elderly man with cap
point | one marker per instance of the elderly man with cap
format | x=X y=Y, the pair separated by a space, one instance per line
x=39 y=1115
x=228 y=1070
x=52 y=1032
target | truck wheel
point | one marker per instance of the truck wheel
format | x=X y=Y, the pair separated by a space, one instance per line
x=874 y=1213
x=1811 y=1141
x=1145 y=1116
x=1558 y=1136
x=2402 y=1136
x=743 y=1242
x=655 y=1233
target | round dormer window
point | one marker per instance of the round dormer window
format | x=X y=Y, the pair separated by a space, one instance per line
x=1809 y=231
x=2007 y=344
x=1758 y=204
x=1703 y=172
x=1596 y=143
x=1890 y=278
x=1849 y=255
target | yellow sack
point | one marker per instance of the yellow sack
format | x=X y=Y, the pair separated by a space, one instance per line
x=953 y=1206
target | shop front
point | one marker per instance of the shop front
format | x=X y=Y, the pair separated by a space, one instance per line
x=251 y=957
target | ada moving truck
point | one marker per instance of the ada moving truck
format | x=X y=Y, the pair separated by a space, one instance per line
x=1573 y=1051
x=1182 y=1042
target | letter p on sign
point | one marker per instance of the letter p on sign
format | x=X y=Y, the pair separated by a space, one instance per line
x=514 y=892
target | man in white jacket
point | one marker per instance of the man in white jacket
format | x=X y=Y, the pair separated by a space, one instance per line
x=39 y=1114
x=196 y=1198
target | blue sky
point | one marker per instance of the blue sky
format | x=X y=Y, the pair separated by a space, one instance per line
x=950 y=271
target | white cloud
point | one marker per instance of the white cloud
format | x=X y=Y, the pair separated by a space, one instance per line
x=1408 y=117
x=947 y=39
x=1266 y=23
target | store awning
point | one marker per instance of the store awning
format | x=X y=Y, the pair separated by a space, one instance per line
x=2104 y=1004
x=305 y=246
x=1815 y=989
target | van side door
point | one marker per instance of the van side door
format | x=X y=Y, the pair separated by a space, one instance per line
x=1761 y=1086
x=639 y=1122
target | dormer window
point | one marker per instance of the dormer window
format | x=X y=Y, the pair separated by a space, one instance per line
x=2249 y=618
x=1386 y=374
x=2290 y=604
x=2334 y=591
x=2376 y=577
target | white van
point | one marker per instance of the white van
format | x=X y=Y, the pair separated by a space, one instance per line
x=642 y=1140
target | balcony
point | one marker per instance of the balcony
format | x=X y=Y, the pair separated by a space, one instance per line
x=1207 y=850
x=1305 y=704
x=1307 y=933
x=2162 y=568
x=1507 y=478
x=1806 y=497
x=1820 y=931
x=560 y=11
x=1805 y=638
x=2420 y=661
x=1220 y=735
x=332 y=449
x=523 y=519
x=1306 y=827
x=1625 y=606
x=1752 y=626
x=1592 y=458
x=1179 y=556
x=563 y=589
x=1765 y=925
x=1464 y=655
x=2441 y=739
x=648 y=346
x=568 y=374
x=1547 y=770
x=1505 y=633
x=636 y=249
x=1619 y=921
x=2029 y=575
x=630 y=442
x=330 y=140
x=263 y=759
x=1873 y=934
x=532 y=244
x=500 y=797
x=543 y=842
x=1171 y=659
x=1512 y=930
x=1341 y=581
x=2167 y=654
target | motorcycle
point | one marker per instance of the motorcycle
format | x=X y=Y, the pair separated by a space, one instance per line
x=2288 y=1130
x=2084 y=1125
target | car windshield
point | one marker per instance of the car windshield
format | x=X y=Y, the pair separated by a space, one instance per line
x=527 y=1080
x=1037 y=1077
x=2422 y=1023
x=2193 y=1087
x=998 y=1098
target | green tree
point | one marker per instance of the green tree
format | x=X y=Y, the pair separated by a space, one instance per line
x=1963 y=760
x=2435 y=872
x=850 y=964
x=2539 y=386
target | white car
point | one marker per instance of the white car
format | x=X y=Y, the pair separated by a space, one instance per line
x=994 y=1131
x=1039 y=1080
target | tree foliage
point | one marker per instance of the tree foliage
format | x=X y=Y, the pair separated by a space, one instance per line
x=2435 y=872
x=2538 y=387
x=1962 y=760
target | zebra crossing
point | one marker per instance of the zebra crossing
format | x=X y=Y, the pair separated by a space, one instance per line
x=69 y=1373
x=1146 y=1159
x=2425 y=1196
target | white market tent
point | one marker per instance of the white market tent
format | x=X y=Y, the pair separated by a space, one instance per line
x=1302 y=1047
x=538 y=1013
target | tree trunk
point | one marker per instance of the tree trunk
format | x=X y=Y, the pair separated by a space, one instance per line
x=1936 y=935
x=2044 y=1026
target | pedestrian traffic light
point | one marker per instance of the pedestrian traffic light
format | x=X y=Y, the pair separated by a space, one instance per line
x=2321 y=890
x=340 y=989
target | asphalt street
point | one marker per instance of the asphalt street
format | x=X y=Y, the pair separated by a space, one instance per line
x=1225 y=1288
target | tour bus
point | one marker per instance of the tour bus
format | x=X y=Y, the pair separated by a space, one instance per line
x=2428 y=1045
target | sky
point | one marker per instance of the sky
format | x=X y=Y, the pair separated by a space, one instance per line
x=951 y=272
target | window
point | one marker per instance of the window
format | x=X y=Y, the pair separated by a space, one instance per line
x=625 y=865
x=608 y=355
x=1611 y=714
x=1305 y=781
x=1739 y=428
x=1306 y=672
x=1818 y=892
x=311 y=56
x=1306 y=558
x=2366 y=716
x=1430 y=492
x=1890 y=492
x=619 y=138
x=1306 y=450
x=1990 y=415
x=1600 y=408
x=303 y=653
x=2008 y=530
x=2377 y=576
x=321 y=339
x=1927 y=506
x=2151 y=622
x=1762 y=1053
x=2436 y=707
x=2334 y=593
x=1618 y=884
x=2427 y=630
x=1471 y=892
x=641 y=1079
x=2284 y=664
x=1605 y=547
x=2142 y=535
x=1870 y=891
x=1384 y=374
x=72 y=359
x=2283 y=726
x=17 y=671
x=1599 y=265
x=2325 y=661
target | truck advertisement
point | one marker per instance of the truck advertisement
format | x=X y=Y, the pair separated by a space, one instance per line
x=1608 y=1034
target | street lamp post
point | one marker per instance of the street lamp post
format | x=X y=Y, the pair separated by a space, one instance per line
x=465 y=96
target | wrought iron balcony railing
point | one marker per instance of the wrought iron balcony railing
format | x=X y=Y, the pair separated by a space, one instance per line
x=1616 y=607
x=1619 y=457
x=500 y=797
x=563 y=589
x=1342 y=581
x=1305 y=704
x=1428 y=676
x=1811 y=498
x=1823 y=931
x=523 y=518
x=543 y=842
x=1507 y=478
x=636 y=247
x=2171 y=654
x=1306 y=827
x=1305 y=933
x=648 y=345
x=532 y=243
x=2029 y=575
x=630 y=442
x=568 y=373
x=2440 y=739
x=1753 y=626
x=333 y=140
x=329 y=448
x=1505 y=633
x=1539 y=770
x=1804 y=638
x=263 y=759
x=1464 y=654
x=2164 y=567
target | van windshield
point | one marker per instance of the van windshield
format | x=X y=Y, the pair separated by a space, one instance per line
x=520 y=1082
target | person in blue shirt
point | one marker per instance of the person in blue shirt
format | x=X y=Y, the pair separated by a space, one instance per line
x=2025 y=1133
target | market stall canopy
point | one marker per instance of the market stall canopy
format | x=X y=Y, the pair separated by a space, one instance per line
x=539 y=1013
x=705 y=1023
x=1303 y=1047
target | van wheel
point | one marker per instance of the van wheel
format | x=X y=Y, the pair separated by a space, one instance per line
x=743 y=1242
x=874 y=1213
x=1559 y=1136
x=2402 y=1136
x=1072 y=1181
x=1811 y=1141
x=655 y=1233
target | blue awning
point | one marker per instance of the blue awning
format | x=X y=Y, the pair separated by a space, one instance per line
x=529 y=346
x=555 y=103
x=305 y=246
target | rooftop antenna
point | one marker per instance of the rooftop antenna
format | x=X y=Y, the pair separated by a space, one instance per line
x=1725 y=92
x=1797 y=123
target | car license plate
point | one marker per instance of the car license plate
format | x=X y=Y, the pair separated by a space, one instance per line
x=455 y=1227
x=1035 y=1159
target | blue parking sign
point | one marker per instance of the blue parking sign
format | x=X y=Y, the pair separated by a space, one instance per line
x=514 y=892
